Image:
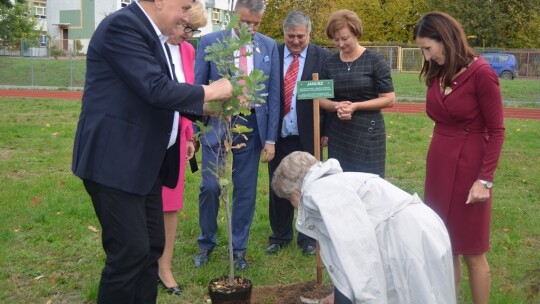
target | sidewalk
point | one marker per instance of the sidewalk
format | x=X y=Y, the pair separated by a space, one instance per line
x=406 y=108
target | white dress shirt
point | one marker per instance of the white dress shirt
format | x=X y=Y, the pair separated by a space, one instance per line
x=290 y=121
x=163 y=39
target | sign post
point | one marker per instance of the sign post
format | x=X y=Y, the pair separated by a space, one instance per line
x=315 y=89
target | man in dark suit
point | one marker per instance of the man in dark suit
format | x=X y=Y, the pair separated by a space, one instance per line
x=124 y=135
x=263 y=121
x=296 y=123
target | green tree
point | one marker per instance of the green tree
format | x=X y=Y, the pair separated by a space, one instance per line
x=489 y=23
x=478 y=17
x=277 y=10
x=519 y=23
x=387 y=20
x=17 y=24
x=496 y=23
x=383 y=20
x=6 y=3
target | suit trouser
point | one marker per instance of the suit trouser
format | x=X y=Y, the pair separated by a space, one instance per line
x=340 y=298
x=245 y=172
x=281 y=212
x=133 y=237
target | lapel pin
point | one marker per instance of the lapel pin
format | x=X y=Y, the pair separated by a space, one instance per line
x=257 y=49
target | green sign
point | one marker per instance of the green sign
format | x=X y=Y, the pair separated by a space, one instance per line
x=311 y=89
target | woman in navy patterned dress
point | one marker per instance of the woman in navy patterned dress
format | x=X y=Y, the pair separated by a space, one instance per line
x=362 y=87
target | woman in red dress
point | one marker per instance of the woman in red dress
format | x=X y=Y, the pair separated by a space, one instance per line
x=464 y=100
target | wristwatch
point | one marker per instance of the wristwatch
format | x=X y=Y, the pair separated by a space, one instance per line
x=486 y=184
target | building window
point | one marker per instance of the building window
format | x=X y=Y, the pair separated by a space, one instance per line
x=43 y=40
x=40 y=10
x=216 y=15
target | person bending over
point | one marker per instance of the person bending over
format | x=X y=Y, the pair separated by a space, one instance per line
x=379 y=243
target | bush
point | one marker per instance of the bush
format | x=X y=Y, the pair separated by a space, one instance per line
x=77 y=45
x=55 y=51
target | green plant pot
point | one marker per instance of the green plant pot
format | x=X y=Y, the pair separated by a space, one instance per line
x=222 y=293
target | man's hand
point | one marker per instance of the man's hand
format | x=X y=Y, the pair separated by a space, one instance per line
x=218 y=90
x=328 y=300
x=268 y=153
x=207 y=109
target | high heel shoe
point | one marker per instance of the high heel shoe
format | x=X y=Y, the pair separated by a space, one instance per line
x=175 y=290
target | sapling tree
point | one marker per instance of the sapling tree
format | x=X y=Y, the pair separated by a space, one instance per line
x=246 y=88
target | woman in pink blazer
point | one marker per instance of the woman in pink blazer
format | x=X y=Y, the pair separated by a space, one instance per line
x=183 y=57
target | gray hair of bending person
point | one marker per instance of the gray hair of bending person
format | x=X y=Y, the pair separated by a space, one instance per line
x=296 y=18
x=290 y=173
x=254 y=6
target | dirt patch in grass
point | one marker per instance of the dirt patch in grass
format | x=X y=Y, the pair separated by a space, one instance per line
x=289 y=294
x=5 y=154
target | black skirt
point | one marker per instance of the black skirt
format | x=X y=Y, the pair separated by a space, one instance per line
x=359 y=144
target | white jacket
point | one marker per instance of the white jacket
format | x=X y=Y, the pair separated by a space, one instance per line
x=378 y=243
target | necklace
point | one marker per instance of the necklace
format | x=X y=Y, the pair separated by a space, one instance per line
x=445 y=89
x=349 y=65
x=355 y=56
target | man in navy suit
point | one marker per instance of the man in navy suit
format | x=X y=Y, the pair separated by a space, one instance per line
x=296 y=125
x=125 y=135
x=263 y=121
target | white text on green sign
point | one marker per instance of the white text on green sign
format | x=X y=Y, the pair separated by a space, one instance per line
x=312 y=89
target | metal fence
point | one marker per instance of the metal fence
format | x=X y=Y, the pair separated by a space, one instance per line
x=35 y=67
x=528 y=60
x=41 y=48
x=411 y=59
x=42 y=73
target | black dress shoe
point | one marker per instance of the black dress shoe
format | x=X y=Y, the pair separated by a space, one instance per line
x=201 y=258
x=273 y=249
x=240 y=261
x=308 y=250
x=170 y=290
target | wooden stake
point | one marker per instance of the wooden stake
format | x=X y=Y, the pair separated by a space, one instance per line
x=316 y=124
x=317 y=152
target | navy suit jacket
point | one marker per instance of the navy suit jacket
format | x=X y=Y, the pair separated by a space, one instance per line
x=315 y=60
x=265 y=59
x=128 y=105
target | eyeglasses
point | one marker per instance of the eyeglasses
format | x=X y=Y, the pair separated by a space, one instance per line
x=188 y=30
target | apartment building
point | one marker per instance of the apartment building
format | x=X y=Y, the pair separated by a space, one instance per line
x=70 y=20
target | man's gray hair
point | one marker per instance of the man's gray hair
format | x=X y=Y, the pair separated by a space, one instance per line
x=254 y=6
x=296 y=18
x=290 y=173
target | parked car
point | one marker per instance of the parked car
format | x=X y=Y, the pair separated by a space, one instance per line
x=504 y=65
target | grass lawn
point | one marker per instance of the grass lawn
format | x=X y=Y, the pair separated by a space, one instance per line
x=64 y=73
x=50 y=245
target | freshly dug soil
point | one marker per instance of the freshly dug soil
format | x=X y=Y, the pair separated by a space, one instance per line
x=289 y=294
x=238 y=293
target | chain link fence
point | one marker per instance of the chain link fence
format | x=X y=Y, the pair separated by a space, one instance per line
x=59 y=65
x=41 y=64
x=528 y=61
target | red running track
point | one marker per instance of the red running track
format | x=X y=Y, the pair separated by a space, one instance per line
x=406 y=108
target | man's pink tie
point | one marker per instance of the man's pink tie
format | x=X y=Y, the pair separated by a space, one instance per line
x=243 y=65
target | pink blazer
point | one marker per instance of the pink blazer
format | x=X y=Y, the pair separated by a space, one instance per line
x=173 y=198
